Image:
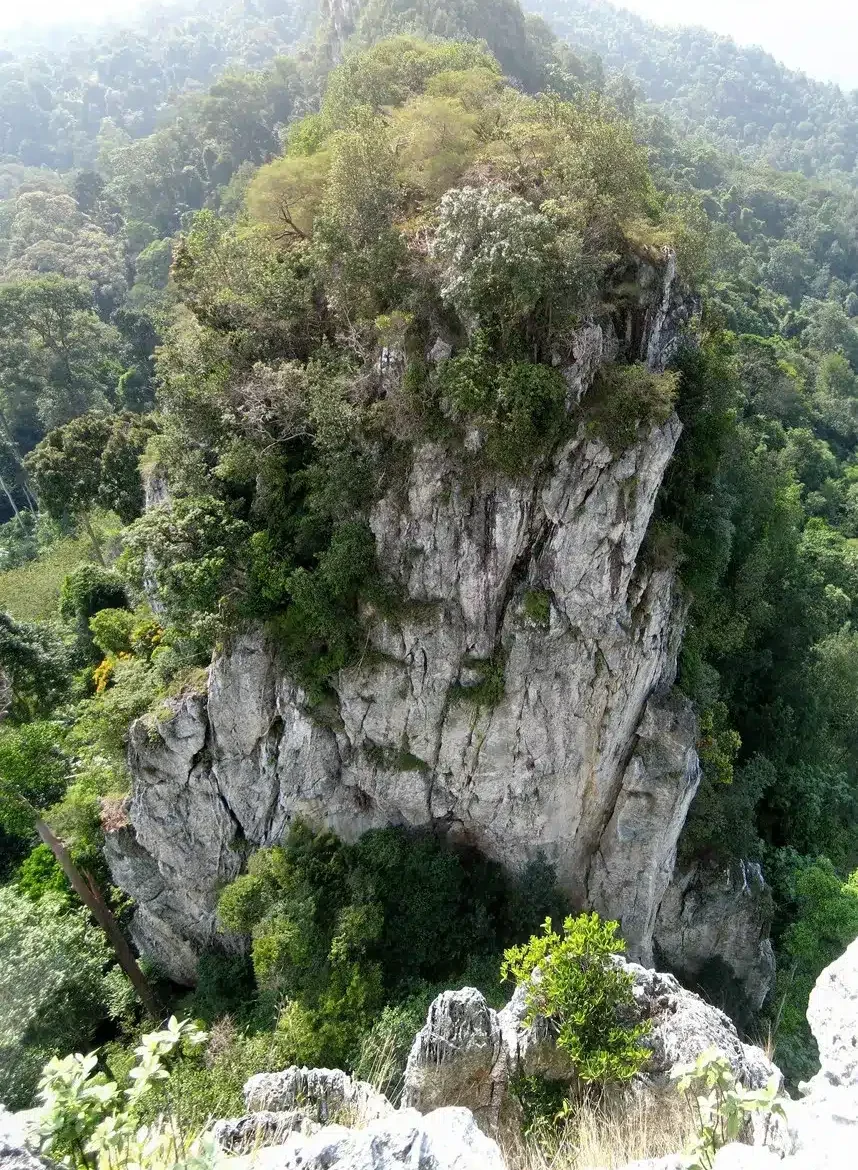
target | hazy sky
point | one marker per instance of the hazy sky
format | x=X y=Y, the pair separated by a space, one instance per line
x=820 y=37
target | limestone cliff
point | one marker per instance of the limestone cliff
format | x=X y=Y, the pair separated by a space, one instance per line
x=587 y=758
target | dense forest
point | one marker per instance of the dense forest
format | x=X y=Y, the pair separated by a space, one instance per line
x=214 y=233
x=738 y=98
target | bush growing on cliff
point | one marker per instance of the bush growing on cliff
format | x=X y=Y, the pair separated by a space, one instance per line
x=88 y=1121
x=824 y=912
x=587 y=997
x=626 y=398
x=342 y=930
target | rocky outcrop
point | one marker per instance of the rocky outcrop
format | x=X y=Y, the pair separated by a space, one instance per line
x=242 y=1135
x=586 y=759
x=321 y=1094
x=447 y=1139
x=822 y=1126
x=461 y=1057
x=712 y=928
x=824 y=1123
x=468 y=1054
x=13 y=1157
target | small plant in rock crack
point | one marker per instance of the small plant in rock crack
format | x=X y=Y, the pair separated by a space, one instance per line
x=574 y=981
x=91 y=1124
x=720 y=1105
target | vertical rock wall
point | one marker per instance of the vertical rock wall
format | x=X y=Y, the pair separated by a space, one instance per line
x=586 y=759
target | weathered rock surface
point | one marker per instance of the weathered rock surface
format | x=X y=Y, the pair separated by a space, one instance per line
x=14 y=1157
x=15 y=1128
x=320 y=1094
x=241 y=1135
x=824 y=1123
x=467 y=1053
x=737 y=1156
x=821 y=1128
x=586 y=759
x=447 y=1139
x=462 y=1057
x=832 y=1013
x=718 y=914
x=684 y=1025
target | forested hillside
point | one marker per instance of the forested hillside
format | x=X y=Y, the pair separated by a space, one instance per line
x=238 y=289
x=740 y=98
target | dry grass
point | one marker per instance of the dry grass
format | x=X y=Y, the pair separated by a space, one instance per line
x=607 y=1136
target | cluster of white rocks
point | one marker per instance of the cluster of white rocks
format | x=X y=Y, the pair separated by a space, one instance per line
x=457 y=1104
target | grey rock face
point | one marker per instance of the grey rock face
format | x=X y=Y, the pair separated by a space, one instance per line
x=684 y=1025
x=822 y=1128
x=824 y=1124
x=737 y=1156
x=320 y=1094
x=832 y=1013
x=447 y=1139
x=242 y=1135
x=460 y=1057
x=14 y=1157
x=467 y=1054
x=585 y=760
x=718 y=912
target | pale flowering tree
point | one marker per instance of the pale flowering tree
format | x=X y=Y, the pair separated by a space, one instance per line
x=504 y=259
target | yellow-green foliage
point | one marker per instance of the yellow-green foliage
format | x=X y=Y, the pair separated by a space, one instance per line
x=31 y=592
x=429 y=115
x=286 y=194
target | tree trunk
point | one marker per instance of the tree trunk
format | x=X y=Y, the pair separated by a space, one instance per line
x=96 y=547
x=91 y=896
x=8 y=495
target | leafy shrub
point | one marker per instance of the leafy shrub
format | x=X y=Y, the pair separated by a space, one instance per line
x=102 y=722
x=489 y=690
x=585 y=995
x=718 y=744
x=502 y=259
x=111 y=630
x=40 y=874
x=626 y=398
x=531 y=408
x=343 y=930
x=543 y=1103
x=52 y=989
x=521 y=404
x=224 y=982
x=191 y=548
x=77 y=817
x=34 y=772
x=321 y=631
x=824 y=913
x=537 y=606
x=85 y=1120
x=35 y=665
x=721 y=1107
x=86 y=591
x=208 y=1079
